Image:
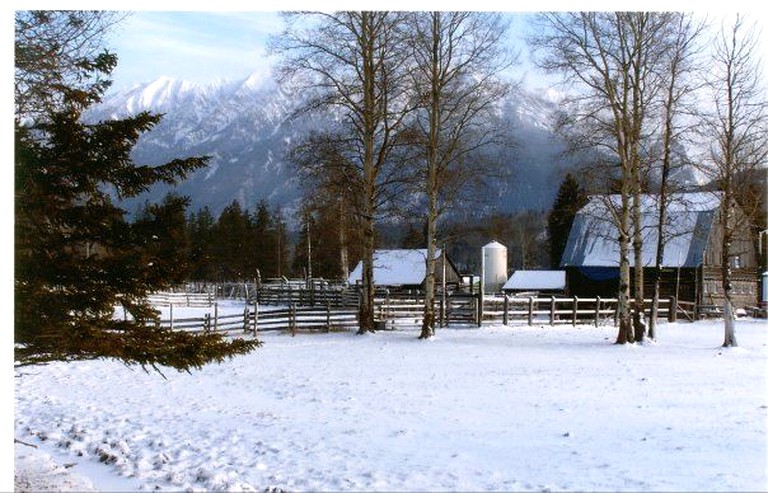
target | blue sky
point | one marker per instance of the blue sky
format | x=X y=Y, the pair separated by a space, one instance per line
x=195 y=46
x=202 y=46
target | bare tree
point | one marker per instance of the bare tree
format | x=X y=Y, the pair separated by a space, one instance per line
x=458 y=57
x=678 y=86
x=737 y=133
x=331 y=183
x=611 y=55
x=355 y=62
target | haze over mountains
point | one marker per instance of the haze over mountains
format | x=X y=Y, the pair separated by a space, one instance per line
x=244 y=126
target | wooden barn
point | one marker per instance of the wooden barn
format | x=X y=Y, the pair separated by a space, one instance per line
x=691 y=268
x=406 y=269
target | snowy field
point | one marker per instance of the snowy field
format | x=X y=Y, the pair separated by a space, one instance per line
x=497 y=408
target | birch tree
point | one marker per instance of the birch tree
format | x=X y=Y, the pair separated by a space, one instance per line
x=458 y=57
x=737 y=133
x=679 y=68
x=355 y=64
x=615 y=59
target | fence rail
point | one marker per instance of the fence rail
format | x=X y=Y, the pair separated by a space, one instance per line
x=293 y=319
x=167 y=298
x=336 y=309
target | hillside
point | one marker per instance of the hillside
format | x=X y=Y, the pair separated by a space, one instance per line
x=245 y=127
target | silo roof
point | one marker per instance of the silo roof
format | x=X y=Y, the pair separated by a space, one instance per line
x=494 y=244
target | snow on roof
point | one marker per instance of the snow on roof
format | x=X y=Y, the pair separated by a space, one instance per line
x=396 y=267
x=536 y=280
x=593 y=240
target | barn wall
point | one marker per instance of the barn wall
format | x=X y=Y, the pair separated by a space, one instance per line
x=742 y=244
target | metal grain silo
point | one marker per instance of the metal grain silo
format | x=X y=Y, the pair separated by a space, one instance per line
x=494 y=267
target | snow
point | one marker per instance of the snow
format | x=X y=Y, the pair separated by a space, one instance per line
x=593 y=241
x=396 y=267
x=492 y=408
x=549 y=280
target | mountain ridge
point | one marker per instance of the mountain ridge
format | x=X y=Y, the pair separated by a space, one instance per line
x=244 y=126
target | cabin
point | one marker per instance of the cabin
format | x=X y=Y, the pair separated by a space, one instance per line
x=536 y=283
x=691 y=265
x=406 y=269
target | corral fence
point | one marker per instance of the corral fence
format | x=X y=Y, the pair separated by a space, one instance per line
x=509 y=310
x=169 y=298
x=297 y=306
x=253 y=319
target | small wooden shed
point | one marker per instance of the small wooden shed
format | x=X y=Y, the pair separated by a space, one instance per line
x=406 y=269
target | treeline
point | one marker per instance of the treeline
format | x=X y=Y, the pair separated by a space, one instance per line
x=239 y=244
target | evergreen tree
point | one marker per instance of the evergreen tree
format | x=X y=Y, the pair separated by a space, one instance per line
x=231 y=245
x=201 y=227
x=163 y=229
x=264 y=241
x=570 y=198
x=76 y=256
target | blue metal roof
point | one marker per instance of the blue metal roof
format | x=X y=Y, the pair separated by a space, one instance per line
x=593 y=240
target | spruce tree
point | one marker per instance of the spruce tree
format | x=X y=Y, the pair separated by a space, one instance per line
x=570 y=198
x=77 y=258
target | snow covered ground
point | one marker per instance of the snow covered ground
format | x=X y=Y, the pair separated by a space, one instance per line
x=496 y=408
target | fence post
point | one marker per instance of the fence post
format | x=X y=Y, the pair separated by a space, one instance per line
x=575 y=310
x=328 y=316
x=447 y=311
x=672 y=315
x=207 y=323
x=552 y=312
x=530 y=310
x=442 y=310
x=597 y=312
x=245 y=319
x=215 y=317
x=506 y=309
x=292 y=319
x=170 y=305
x=256 y=318
x=480 y=309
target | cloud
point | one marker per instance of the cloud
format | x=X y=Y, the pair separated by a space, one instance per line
x=196 y=46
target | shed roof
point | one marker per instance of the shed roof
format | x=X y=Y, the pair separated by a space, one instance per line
x=593 y=239
x=536 y=280
x=396 y=267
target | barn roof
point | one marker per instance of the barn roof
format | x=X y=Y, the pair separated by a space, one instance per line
x=396 y=267
x=536 y=280
x=593 y=240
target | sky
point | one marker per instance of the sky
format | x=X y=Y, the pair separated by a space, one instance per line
x=194 y=46
x=202 y=46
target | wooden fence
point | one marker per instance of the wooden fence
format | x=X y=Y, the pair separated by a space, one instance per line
x=167 y=298
x=466 y=309
x=293 y=319
x=406 y=309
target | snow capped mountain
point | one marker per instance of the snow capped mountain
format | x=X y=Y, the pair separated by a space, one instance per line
x=244 y=127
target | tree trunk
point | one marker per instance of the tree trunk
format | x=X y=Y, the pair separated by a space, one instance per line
x=428 y=323
x=625 y=318
x=638 y=319
x=343 y=247
x=729 y=339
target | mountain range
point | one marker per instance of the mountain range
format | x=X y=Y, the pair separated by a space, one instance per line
x=245 y=127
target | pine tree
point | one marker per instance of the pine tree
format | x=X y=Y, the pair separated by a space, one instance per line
x=163 y=229
x=231 y=243
x=570 y=198
x=201 y=239
x=76 y=256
